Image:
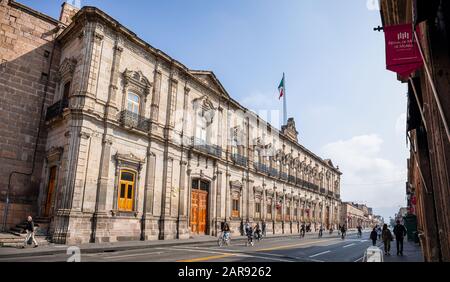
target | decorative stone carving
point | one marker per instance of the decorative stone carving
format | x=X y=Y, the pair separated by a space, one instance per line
x=137 y=81
x=66 y=69
x=258 y=190
x=236 y=186
x=290 y=131
x=54 y=154
x=206 y=108
x=129 y=160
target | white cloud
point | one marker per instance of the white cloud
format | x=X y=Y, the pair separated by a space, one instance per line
x=368 y=177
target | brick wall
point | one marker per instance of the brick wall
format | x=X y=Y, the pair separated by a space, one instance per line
x=26 y=45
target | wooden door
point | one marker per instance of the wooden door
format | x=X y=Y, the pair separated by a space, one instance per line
x=202 y=211
x=126 y=191
x=199 y=212
x=50 y=191
x=194 y=211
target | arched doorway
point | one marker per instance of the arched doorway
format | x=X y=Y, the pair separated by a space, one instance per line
x=199 y=206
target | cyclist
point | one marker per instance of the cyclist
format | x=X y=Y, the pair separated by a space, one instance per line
x=225 y=237
x=331 y=230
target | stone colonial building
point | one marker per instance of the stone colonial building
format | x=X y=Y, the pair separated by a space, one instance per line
x=133 y=145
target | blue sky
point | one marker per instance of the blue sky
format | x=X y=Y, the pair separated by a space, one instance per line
x=346 y=105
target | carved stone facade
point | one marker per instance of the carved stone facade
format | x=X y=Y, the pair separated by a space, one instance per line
x=148 y=149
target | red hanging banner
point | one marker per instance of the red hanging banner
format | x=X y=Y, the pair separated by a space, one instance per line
x=402 y=52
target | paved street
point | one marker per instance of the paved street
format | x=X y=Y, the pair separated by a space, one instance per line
x=281 y=249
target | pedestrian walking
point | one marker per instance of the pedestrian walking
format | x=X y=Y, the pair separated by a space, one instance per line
x=30 y=233
x=387 y=238
x=400 y=233
x=263 y=227
x=374 y=236
x=320 y=231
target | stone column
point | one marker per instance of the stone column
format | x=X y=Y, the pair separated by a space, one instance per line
x=103 y=177
x=227 y=197
x=156 y=93
x=111 y=105
x=149 y=187
x=219 y=215
x=250 y=200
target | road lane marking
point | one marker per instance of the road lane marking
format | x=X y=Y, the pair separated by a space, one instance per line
x=319 y=254
x=291 y=246
x=206 y=258
x=349 y=245
x=132 y=255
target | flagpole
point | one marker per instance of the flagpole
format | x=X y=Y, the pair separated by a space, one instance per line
x=284 y=102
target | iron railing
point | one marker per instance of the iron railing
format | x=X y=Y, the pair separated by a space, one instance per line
x=239 y=159
x=284 y=176
x=56 y=109
x=261 y=167
x=133 y=120
x=330 y=193
x=273 y=171
x=202 y=146
x=292 y=179
x=322 y=190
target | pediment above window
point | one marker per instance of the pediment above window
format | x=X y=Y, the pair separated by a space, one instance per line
x=129 y=159
x=54 y=154
x=258 y=190
x=236 y=185
x=67 y=68
x=137 y=81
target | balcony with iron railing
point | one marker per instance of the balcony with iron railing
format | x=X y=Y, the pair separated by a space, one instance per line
x=284 y=176
x=56 y=109
x=322 y=190
x=133 y=120
x=337 y=196
x=239 y=159
x=204 y=147
x=292 y=179
x=261 y=168
x=273 y=172
x=330 y=193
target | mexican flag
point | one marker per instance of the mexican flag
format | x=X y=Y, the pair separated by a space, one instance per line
x=281 y=88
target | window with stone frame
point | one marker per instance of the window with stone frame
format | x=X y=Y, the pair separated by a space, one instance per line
x=269 y=210
x=258 y=210
x=235 y=210
x=133 y=103
x=279 y=212
x=287 y=215
x=66 y=90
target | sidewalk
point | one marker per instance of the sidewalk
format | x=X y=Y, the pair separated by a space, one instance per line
x=51 y=249
x=412 y=252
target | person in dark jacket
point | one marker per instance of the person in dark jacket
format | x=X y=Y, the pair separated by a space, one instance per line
x=263 y=227
x=374 y=236
x=387 y=237
x=30 y=232
x=400 y=233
